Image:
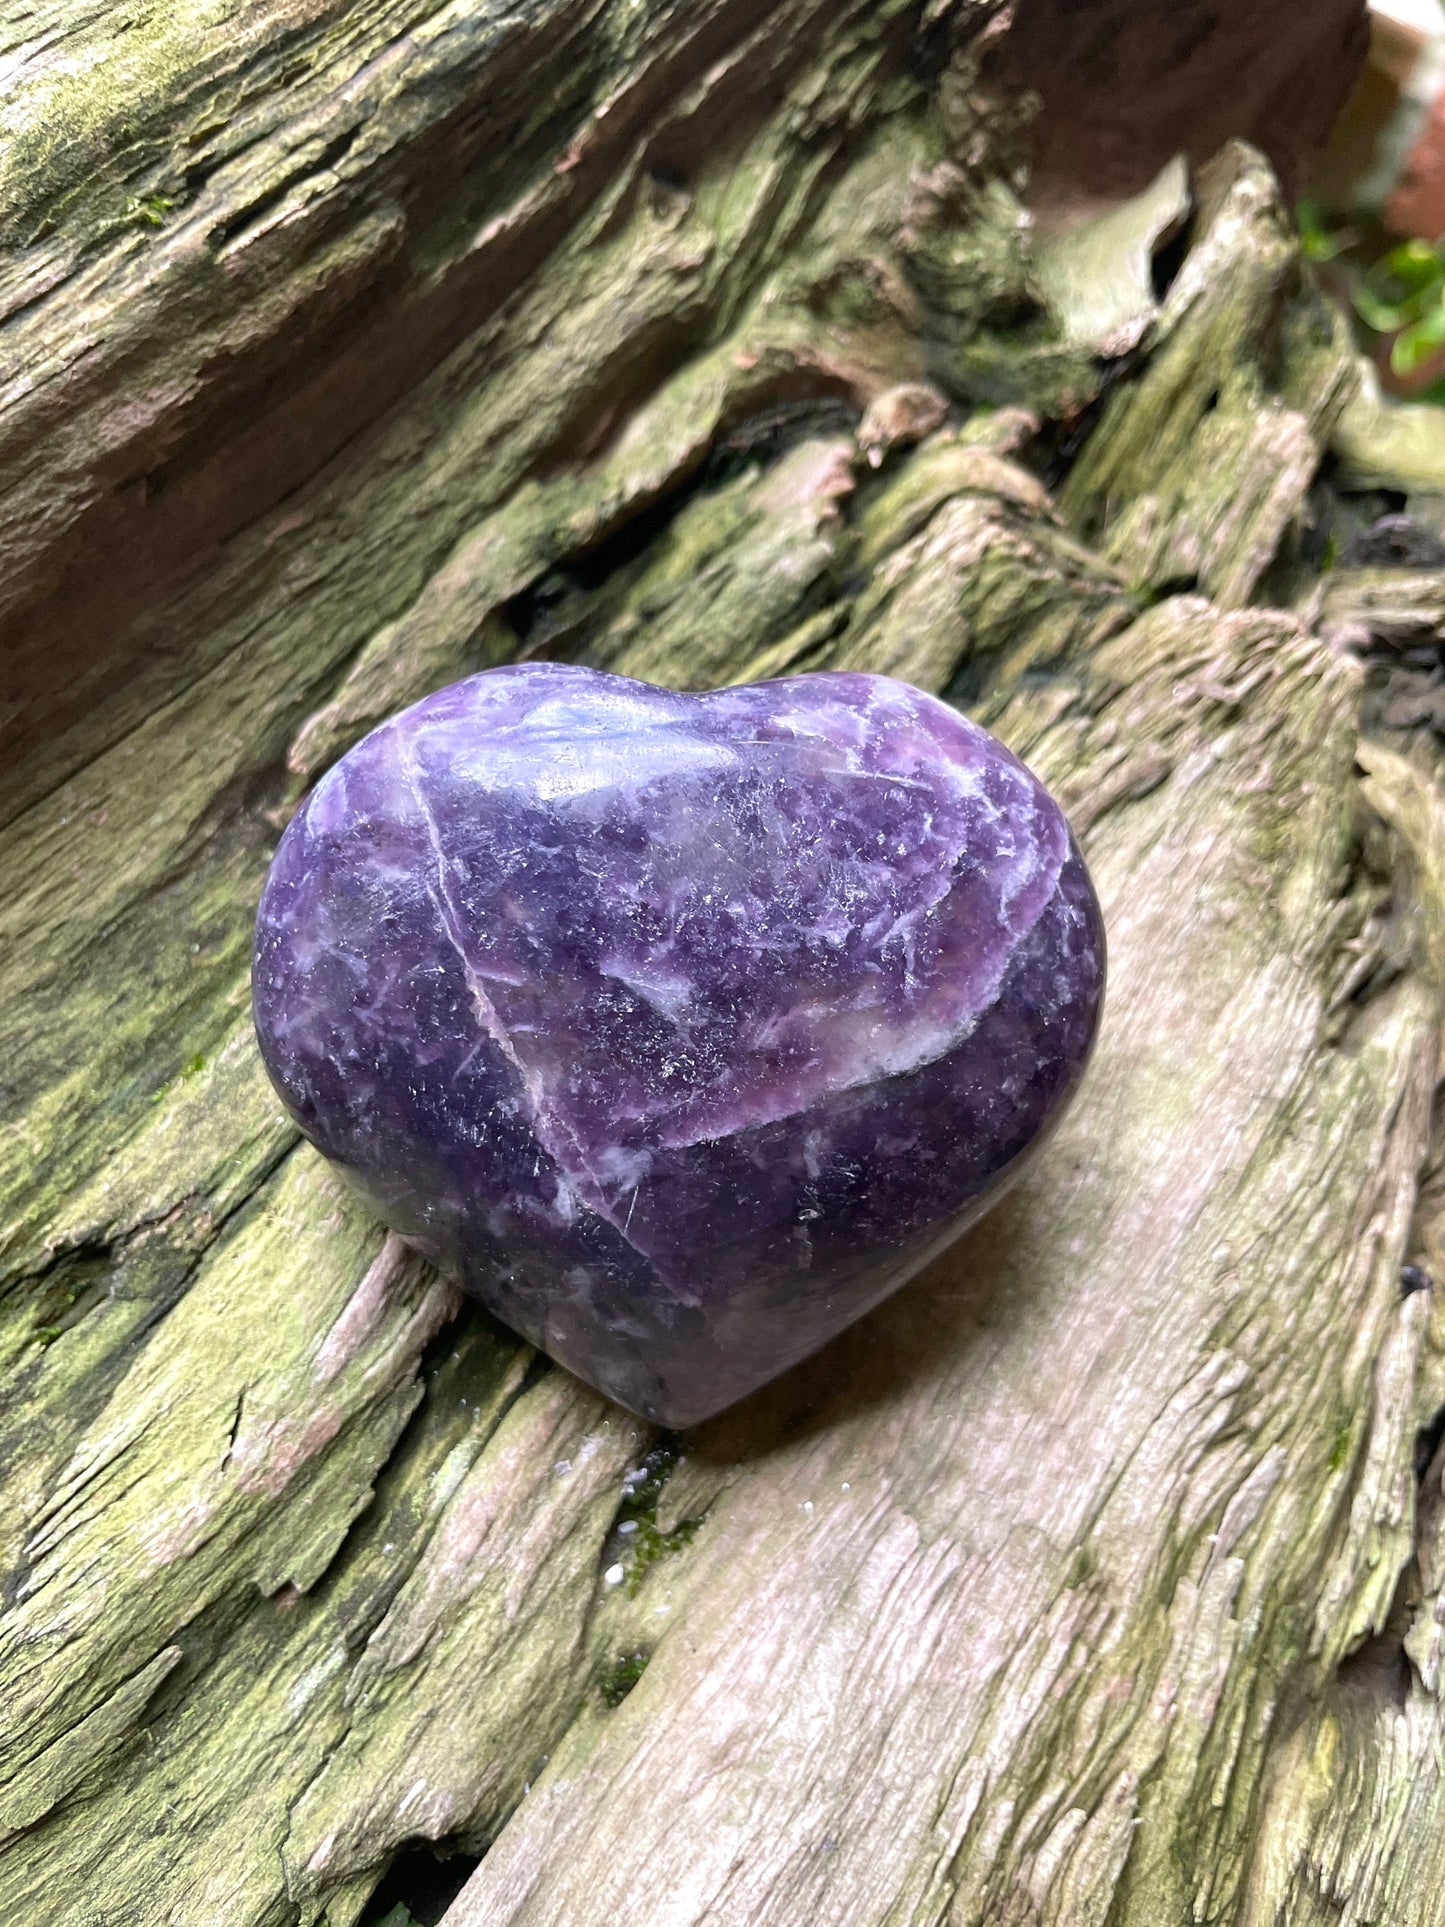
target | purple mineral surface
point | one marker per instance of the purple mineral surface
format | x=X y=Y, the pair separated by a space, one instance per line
x=681 y=1029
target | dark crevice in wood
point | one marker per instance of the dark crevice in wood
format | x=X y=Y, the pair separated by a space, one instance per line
x=424 y=1879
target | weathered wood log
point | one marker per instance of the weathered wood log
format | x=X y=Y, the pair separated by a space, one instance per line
x=1100 y=1577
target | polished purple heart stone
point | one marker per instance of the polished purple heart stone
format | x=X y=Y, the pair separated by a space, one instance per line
x=680 y=1029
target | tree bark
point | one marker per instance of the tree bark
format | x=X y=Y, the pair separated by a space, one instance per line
x=1100 y=1576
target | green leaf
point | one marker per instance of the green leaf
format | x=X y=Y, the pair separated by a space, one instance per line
x=1318 y=241
x=1402 y=288
x=1415 y=345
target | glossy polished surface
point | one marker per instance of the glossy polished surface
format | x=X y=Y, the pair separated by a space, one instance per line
x=680 y=1029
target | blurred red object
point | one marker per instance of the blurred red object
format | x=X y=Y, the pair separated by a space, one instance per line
x=1386 y=158
x=1417 y=204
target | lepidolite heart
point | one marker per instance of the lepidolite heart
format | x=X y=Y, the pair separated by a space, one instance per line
x=680 y=1029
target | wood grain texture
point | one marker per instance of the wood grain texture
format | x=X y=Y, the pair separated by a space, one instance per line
x=349 y=349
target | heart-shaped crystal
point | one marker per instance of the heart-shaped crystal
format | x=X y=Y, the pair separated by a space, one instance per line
x=680 y=1029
